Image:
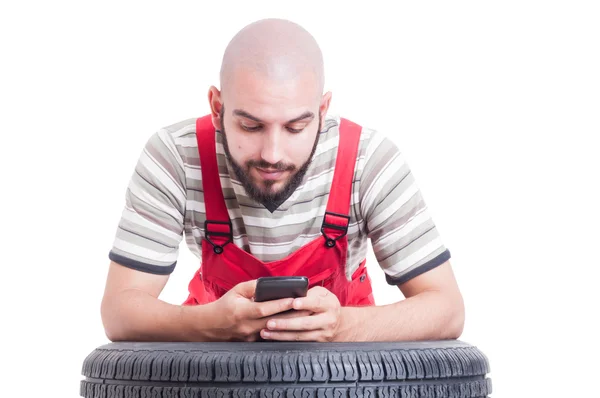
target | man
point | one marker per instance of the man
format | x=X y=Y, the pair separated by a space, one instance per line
x=269 y=184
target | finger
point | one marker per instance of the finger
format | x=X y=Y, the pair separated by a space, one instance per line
x=246 y=289
x=317 y=300
x=292 y=314
x=313 y=335
x=269 y=308
x=312 y=322
x=254 y=326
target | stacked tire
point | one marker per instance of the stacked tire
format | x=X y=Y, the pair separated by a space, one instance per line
x=432 y=369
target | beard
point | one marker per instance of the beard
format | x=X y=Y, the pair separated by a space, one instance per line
x=267 y=197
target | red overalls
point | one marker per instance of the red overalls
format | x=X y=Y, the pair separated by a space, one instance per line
x=323 y=260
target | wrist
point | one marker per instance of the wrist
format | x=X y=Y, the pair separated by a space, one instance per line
x=202 y=323
x=347 y=328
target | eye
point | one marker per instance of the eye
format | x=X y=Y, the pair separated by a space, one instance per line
x=295 y=131
x=251 y=128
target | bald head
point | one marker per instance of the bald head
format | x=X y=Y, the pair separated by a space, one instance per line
x=276 y=50
x=270 y=107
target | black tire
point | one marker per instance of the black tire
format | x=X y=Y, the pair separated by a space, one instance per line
x=434 y=369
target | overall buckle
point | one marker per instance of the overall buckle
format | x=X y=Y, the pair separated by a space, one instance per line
x=329 y=241
x=218 y=248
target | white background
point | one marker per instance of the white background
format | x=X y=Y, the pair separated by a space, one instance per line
x=496 y=106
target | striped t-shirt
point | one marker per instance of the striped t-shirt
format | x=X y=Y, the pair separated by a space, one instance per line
x=164 y=202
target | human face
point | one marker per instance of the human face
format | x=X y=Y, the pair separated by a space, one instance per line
x=270 y=132
x=262 y=190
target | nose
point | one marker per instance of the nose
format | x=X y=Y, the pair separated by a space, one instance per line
x=272 y=150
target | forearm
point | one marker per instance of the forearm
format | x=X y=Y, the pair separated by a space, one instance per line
x=431 y=315
x=133 y=315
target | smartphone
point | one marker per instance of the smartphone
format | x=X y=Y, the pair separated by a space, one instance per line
x=278 y=287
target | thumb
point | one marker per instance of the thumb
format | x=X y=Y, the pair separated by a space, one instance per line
x=246 y=289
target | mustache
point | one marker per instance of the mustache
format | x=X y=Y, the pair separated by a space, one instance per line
x=262 y=164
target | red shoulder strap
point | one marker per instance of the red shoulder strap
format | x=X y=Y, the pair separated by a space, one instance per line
x=217 y=216
x=341 y=187
x=338 y=205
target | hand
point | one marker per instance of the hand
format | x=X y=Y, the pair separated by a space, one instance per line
x=240 y=318
x=321 y=324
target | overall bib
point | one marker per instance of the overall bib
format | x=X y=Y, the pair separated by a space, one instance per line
x=322 y=261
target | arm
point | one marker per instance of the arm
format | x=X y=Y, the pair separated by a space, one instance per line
x=145 y=249
x=145 y=252
x=409 y=249
x=407 y=246
x=433 y=310
x=132 y=311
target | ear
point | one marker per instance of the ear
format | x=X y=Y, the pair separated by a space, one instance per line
x=324 y=107
x=214 y=100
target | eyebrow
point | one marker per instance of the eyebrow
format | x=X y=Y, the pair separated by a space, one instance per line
x=305 y=115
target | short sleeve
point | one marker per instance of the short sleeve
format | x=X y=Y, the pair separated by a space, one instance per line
x=404 y=237
x=151 y=224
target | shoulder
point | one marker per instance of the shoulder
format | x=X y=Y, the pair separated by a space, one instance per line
x=373 y=144
x=176 y=142
x=180 y=133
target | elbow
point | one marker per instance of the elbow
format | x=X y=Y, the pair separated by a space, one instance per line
x=113 y=326
x=111 y=330
x=456 y=328
x=114 y=334
x=452 y=323
x=456 y=322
